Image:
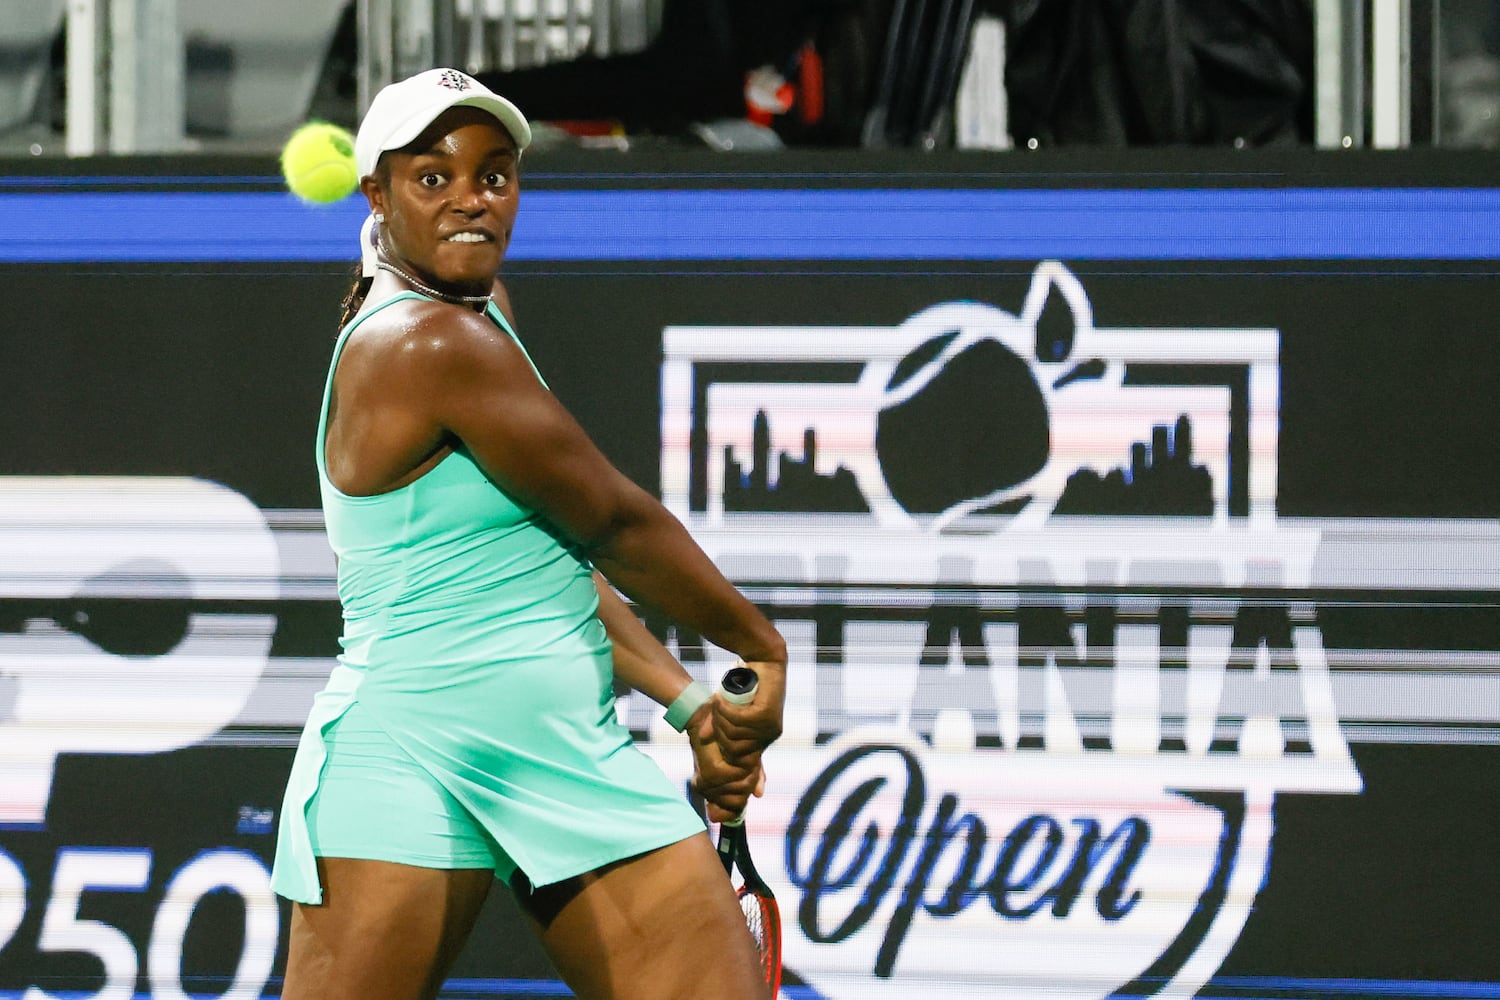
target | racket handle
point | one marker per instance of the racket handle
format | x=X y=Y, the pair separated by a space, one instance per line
x=738 y=685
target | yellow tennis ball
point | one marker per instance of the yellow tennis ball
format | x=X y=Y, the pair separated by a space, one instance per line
x=318 y=163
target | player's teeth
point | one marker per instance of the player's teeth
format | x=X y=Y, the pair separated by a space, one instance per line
x=468 y=238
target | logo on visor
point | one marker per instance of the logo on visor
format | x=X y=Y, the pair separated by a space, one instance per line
x=454 y=80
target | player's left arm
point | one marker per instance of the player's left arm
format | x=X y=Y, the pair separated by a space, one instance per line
x=645 y=665
x=641 y=661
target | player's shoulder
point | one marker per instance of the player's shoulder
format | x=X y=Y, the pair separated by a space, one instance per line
x=425 y=333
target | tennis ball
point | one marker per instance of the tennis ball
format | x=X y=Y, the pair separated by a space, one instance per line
x=318 y=163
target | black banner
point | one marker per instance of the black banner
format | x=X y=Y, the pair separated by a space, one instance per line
x=1146 y=610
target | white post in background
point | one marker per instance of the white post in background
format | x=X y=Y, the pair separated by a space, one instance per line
x=87 y=75
x=599 y=28
x=399 y=37
x=445 y=33
x=1339 y=74
x=86 y=65
x=473 y=18
x=167 y=71
x=1328 y=125
x=571 y=22
x=540 y=43
x=124 y=53
x=632 y=25
x=415 y=37
x=981 y=117
x=376 y=49
x=146 y=55
x=508 y=16
x=1390 y=74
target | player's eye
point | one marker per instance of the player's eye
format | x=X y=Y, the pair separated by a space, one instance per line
x=430 y=180
x=494 y=179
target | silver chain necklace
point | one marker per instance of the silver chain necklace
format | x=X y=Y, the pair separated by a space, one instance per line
x=385 y=263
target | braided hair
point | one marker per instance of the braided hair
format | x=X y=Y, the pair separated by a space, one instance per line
x=354 y=299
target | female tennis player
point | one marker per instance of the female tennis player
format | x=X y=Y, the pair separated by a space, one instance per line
x=468 y=731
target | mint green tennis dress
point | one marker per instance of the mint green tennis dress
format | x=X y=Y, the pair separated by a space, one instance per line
x=475 y=666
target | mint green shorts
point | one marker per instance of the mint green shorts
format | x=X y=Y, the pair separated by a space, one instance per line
x=375 y=803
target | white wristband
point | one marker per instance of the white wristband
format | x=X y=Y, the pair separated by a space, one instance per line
x=693 y=697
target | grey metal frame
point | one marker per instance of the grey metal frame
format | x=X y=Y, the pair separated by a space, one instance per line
x=1339 y=73
x=1363 y=44
x=125 y=74
x=1390 y=74
x=401 y=37
x=125 y=77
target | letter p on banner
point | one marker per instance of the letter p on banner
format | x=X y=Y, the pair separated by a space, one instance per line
x=113 y=637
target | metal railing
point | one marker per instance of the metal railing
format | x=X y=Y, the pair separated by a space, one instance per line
x=124 y=64
x=1363 y=47
x=125 y=59
x=401 y=37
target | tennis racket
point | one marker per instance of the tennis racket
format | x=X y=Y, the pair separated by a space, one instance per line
x=757 y=902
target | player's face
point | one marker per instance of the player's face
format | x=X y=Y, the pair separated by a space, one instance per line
x=451 y=199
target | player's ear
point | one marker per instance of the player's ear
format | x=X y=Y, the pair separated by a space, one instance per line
x=374 y=193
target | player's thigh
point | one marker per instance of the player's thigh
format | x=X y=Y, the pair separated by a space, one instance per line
x=662 y=926
x=384 y=931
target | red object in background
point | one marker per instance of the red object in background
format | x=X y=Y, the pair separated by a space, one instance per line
x=810 y=85
x=767 y=94
x=589 y=127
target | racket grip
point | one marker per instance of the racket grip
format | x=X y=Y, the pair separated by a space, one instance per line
x=738 y=685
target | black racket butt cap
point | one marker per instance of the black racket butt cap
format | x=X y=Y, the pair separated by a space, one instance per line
x=740 y=681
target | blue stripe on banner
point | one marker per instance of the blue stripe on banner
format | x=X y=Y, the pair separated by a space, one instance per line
x=1299 y=987
x=505 y=988
x=463 y=989
x=153 y=180
x=1194 y=224
x=469 y=989
x=1239 y=987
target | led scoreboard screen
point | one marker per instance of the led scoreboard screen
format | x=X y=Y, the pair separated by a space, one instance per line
x=1136 y=539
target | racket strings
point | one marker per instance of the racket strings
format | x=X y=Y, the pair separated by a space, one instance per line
x=763 y=918
x=754 y=918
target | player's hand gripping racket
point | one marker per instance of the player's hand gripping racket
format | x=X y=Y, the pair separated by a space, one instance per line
x=756 y=900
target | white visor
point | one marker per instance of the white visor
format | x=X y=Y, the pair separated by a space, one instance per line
x=401 y=111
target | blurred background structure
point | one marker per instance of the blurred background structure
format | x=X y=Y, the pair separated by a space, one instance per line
x=82 y=77
x=792 y=265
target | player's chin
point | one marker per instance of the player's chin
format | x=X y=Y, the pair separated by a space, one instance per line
x=469 y=263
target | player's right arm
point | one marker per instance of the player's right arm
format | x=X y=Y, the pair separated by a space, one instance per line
x=472 y=382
